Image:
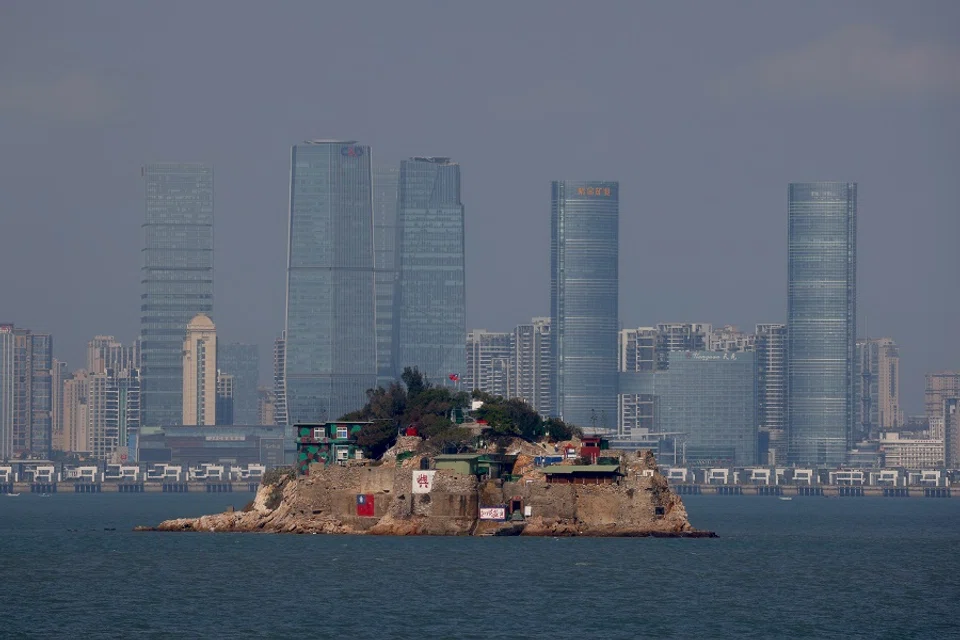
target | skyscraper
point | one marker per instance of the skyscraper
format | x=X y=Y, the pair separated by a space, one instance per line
x=200 y=372
x=177 y=279
x=242 y=361
x=385 y=181
x=331 y=341
x=821 y=321
x=431 y=300
x=26 y=392
x=584 y=301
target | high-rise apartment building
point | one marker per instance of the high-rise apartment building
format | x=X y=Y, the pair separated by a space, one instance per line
x=939 y=386
x=490 y=363
x=177 y=279
x=385 y=183
x=878 y=387
x=821 y=321
x=200 y=372
x=431 y=316
x=266 y=406
x=771 y=354
x=58 y=375
x=729 y=339
x=26 y=392
x=242 y=361
x=638 y=353
x=75 y=418
x=331 y=340
x=532 y=365
x=105 y=352
x=7 y=378
x=584 y=301
x=950 y=413
x=682 y=336
x=279 y=381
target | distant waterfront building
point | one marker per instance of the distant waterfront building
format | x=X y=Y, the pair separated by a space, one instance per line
x=939 y=387
x=200 y=372
x=709 y=398
x=771 y=350
x=911 y=453
x=431 y=319
x=177 y=279
x=331 y=339
x=638 y=353
x=75 y=417
x=878 y=387
x=951 y=431
x=110 y=410
x=279 y=381
x=821 y=321
x=7 y=378
x=584 y=302
x=532 y=365
x=58 y=375
x=385 y=184
x=242 y=361
x=226 y=399
x=266 y=406
x=26 y=392
x=489 y=363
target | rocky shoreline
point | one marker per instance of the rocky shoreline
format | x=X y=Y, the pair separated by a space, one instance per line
x=383 y=499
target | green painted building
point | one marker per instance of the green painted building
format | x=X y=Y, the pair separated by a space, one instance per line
x=327 y=443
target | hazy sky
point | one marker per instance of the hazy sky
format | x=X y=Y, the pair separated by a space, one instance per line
x=704 y=111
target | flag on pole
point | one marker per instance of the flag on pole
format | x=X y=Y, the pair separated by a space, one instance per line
x=455 y=377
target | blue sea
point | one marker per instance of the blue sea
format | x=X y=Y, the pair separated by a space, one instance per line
x=71 y=566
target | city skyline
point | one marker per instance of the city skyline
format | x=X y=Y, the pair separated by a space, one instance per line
x=702 y=163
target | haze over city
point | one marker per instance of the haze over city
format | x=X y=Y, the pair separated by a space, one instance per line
x=703 y=113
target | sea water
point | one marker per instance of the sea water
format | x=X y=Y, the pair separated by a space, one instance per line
x=71 y=566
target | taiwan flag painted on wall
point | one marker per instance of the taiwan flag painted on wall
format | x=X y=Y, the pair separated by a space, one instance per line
x=365 y=504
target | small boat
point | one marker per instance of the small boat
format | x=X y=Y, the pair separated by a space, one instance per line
x=11 y=495
x=786 y=498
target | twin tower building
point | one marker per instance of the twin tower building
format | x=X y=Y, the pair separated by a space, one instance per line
x=376 y=283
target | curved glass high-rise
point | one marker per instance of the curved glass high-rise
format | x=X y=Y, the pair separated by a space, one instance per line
x=584 y=223
x=431 y=324
x=177 y=280
x=821 y=321
x=330 y=350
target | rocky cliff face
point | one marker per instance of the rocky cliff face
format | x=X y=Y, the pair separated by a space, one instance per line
x=328 y=501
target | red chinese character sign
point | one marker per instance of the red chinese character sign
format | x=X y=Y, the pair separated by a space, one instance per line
x=423 y=481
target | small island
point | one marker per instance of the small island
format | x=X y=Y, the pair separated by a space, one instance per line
x=501 y=472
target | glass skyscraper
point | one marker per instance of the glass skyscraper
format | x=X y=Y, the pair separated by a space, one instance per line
x=711 y=399
x=177 y=279
x=583 y=301
x=821 y=321
x=331 y=342
x=385 y=262
x=431 y=302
